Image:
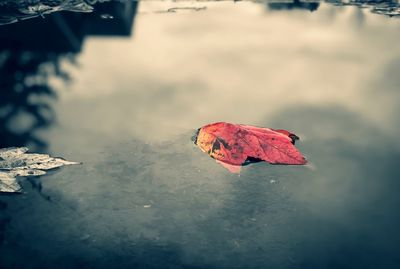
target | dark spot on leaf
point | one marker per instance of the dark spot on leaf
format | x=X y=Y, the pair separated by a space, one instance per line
x=223 y=142
x=216 y=146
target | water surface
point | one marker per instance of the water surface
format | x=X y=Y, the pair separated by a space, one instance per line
x=125 y=101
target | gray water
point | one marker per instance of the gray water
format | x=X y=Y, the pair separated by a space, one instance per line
x=145 y=197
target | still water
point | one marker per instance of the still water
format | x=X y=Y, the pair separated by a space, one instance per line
x=123 y=88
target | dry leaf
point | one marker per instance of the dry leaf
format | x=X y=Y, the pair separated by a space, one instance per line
x=234 y=145
x=17 y=162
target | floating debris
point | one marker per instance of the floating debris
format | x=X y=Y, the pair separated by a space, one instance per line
x=8 y=183
x=175 y=9
x=16 y=162
x=390 y=8
x=14 y=11
x=235 y=145
x=179 y=9
x=386 y=10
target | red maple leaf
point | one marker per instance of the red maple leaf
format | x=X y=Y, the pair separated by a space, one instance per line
x=234 y=145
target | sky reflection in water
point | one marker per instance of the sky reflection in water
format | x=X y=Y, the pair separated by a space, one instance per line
x=146 y=197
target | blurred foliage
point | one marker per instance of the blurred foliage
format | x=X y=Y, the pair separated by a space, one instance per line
x=30 y=60
x=25 y=95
